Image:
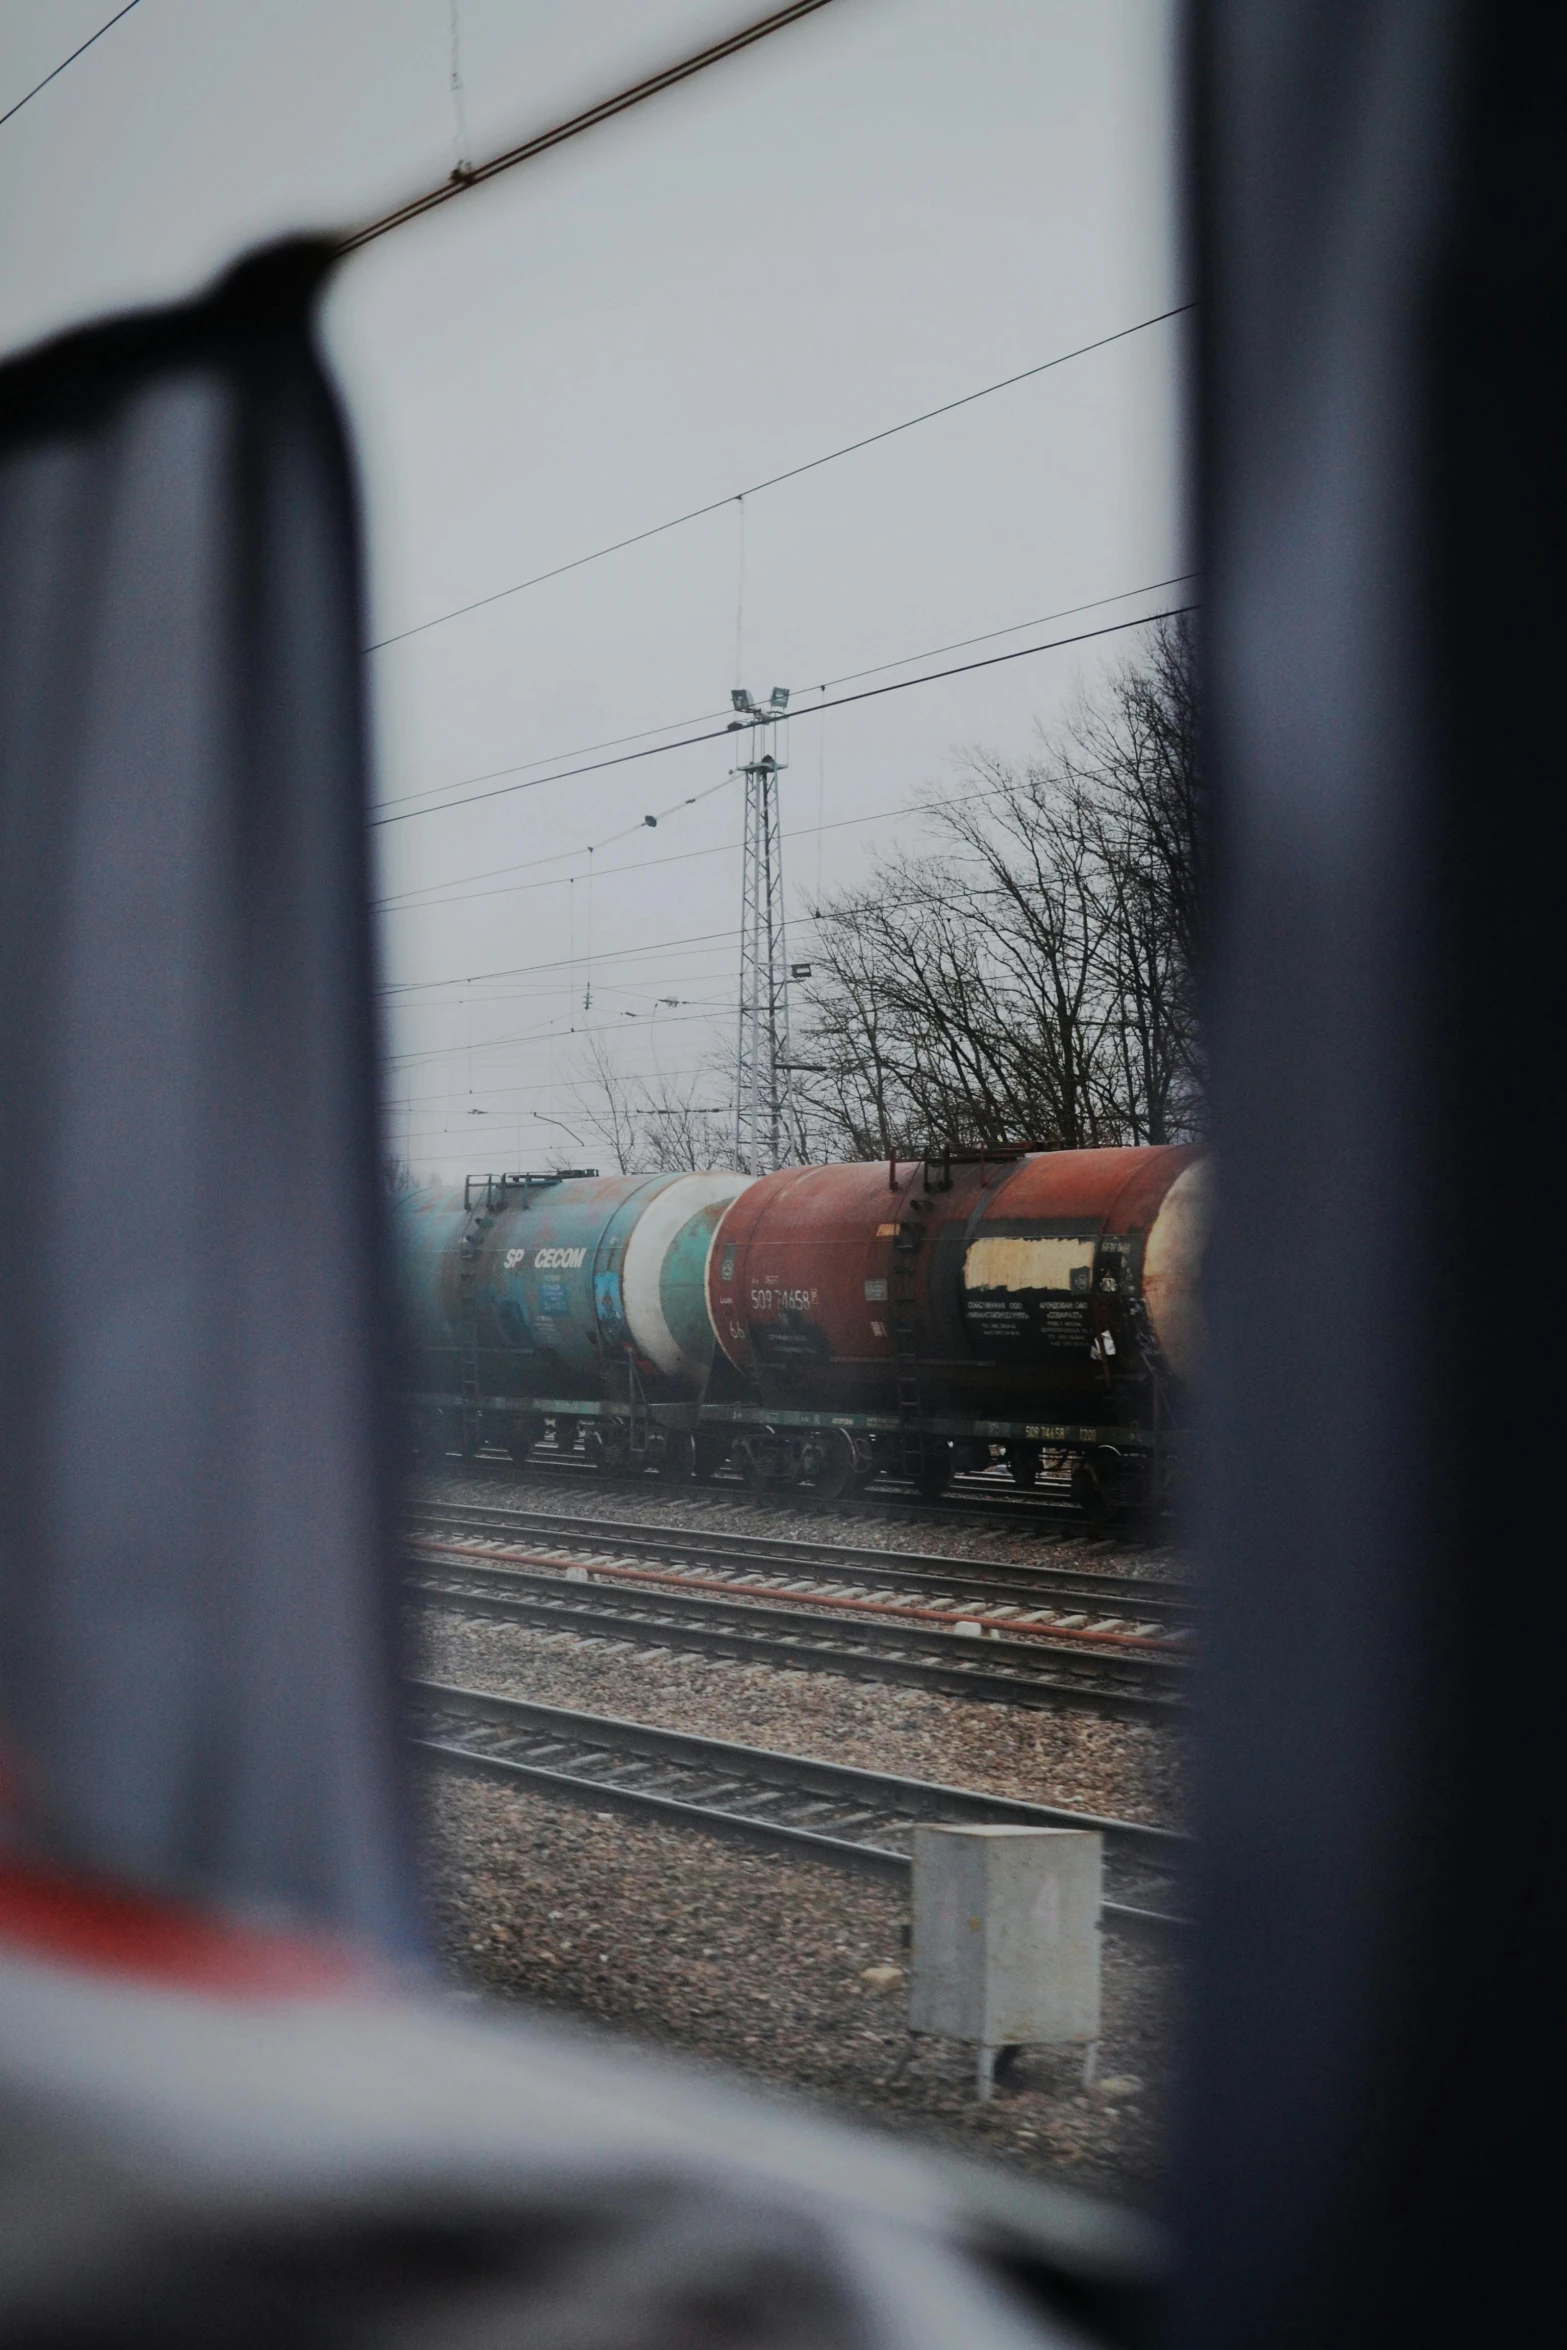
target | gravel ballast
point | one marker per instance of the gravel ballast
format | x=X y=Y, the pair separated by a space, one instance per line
x=757 y=1962
x=1128 y=1770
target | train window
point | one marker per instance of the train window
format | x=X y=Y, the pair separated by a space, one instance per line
x=769 y=441
x=762 y=497
x=687 y=612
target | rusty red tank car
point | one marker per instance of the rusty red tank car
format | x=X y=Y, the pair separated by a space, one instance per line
x=915 y=1315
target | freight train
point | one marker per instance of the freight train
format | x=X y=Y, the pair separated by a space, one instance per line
x=820 y=1326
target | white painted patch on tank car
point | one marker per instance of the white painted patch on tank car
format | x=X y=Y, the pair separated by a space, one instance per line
x=1172 y=1267
x=1024 y=1263
x=652 y=1237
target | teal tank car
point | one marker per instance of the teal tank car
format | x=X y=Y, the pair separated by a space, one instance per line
x=577 y=1298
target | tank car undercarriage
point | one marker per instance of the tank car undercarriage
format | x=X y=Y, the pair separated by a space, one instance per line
x=1106 y=1480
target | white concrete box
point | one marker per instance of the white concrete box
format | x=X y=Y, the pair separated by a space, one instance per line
x=1006 y=1947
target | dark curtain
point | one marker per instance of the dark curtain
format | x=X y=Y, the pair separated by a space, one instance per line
x=197 y=1679
x=1377 y=2011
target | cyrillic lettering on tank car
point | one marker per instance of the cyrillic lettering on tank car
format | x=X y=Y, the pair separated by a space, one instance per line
x=1030 y=1290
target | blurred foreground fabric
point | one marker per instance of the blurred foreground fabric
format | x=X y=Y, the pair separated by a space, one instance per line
x=234 y=2161
x=197 y=1679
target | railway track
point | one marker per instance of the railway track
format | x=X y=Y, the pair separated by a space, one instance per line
x=856 y=1820
x=1040 y=1598
x=798 y=1622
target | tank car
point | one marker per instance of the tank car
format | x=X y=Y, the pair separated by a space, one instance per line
x=917 y=1316
x=574 y=1298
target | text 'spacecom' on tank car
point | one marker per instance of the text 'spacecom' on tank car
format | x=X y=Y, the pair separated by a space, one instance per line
x=823 y=1325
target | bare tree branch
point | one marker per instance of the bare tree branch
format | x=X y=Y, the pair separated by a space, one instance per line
x=1034 y=978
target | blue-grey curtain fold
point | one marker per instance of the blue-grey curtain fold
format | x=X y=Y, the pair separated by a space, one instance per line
x=197 y=1650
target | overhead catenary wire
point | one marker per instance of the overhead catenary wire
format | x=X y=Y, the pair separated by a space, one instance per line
x=697 y=1015
x=725 y=848
x=556 y=963
x=639 y=734
x=869 y=693
x=611 y=742
x=544 y=142
x=775 y=480
x=563 y=1022
x=56 y=71
x=707 y=939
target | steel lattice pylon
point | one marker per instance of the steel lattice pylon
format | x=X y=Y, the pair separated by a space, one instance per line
x=762 y=1054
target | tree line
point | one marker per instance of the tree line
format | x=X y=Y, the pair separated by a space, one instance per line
x=1029 y=975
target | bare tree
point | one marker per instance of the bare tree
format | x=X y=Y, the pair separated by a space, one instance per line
x=601 y=1101
x=1032 y=979
x=650 y=1125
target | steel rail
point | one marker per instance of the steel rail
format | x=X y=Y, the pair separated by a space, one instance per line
x=1126 y=1688
x=971 y=1615
x=1130 y=1598
x=857 y=1820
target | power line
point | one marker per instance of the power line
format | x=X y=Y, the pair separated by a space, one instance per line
x=877 y=669
x=553 y=1028
x=530 y=1036
x=556 y=963
x=567 y=880
x=791 y=473
x=605 y=111
x=638 y=734
x=564 y=775
x=705 y=938
x=677 y=857
x=937 y=898
x=988 y=636
x=869 y=693
x=65 y=61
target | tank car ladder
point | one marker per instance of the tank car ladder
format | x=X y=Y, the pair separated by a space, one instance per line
x=905 y=1338
x=479 y=1220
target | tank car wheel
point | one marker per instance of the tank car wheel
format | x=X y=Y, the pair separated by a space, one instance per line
x=1096 y=1485
x=566 y=1434
x=830 y=1463
x=526 y=1430
x=677 y=1462
x=711 y=1454
x=935 y=1470
x=759 y=1464
x=1023 y=1465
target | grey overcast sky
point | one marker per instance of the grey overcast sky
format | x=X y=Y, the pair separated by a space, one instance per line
x=877 y=211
